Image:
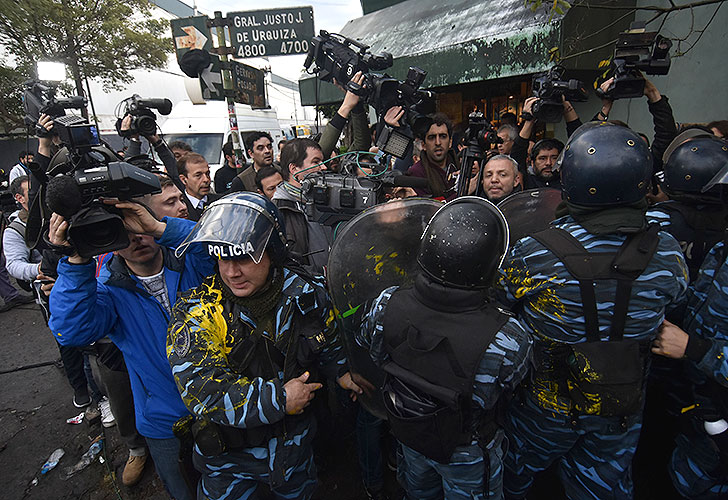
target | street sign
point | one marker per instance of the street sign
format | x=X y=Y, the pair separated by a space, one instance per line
x=211 y=81
x=249 y=85
x=274 y=32
x=190 y=33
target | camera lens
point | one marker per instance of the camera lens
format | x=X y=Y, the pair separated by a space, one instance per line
x=146 y=125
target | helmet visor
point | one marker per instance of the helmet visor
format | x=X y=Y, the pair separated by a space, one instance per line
x=232 y=229
x=719 y=178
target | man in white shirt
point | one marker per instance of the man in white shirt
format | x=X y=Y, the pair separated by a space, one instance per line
x=194 y=172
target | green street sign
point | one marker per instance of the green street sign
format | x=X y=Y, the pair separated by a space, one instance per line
x=274 y=32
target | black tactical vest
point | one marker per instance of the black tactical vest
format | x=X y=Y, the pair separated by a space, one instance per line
x=435 y=348
x=697 y=230
x=602 y=377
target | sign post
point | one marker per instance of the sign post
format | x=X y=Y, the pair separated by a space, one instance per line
x=223 y=50
x=274 y=32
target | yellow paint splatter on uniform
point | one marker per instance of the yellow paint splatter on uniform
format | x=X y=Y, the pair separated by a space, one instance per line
x=541 y=294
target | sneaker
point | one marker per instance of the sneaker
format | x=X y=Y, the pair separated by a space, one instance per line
x=107 y=418
x=81 y=398
x=133 y=470
x=93 y=415
x=17 y=301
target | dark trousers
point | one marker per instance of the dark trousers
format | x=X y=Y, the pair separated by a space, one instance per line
x=7 y=291
x=73 y=364
x=118 y=389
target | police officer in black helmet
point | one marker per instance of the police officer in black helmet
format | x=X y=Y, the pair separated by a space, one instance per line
x=592 y=289
x=696 y=219
x=450 y=356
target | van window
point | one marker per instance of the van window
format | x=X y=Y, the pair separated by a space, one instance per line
x=208 y=145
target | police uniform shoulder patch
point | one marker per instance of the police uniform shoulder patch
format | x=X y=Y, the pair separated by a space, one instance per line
x=182 y=339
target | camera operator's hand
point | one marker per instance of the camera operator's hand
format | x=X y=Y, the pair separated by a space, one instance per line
x=47 y=283
x=58 y=236
x=137 y=219
x=44 y=143
x=607 y=103
x=653 y=95
x=350 y=99
x=393 y=116
x=126 y=125
x=527 y=128
x=569 y=111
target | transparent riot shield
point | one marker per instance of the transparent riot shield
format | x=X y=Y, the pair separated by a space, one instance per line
x=530 y=211
x=375 y=250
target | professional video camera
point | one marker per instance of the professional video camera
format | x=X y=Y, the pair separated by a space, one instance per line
x=636 y=51
x=41 y=99
x=332 y=198
x=550 y=87
x=338 y=57
x=143 y=122
x=481 y=136
x=78 y=176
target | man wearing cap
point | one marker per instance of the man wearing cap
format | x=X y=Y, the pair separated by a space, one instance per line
x=246 y=348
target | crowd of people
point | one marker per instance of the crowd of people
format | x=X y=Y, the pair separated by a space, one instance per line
x=587 y=345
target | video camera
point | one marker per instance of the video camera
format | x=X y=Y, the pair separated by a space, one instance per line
x=78 y=176
x=550 y=87
x=338 y=57
x=41 y=99
x=332 y=198
x=637 y=50
x=480 y=136
x=144 y=121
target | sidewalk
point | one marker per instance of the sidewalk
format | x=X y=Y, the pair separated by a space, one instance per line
x=34 y=406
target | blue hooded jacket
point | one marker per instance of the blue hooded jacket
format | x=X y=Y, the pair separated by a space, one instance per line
x=84 y=309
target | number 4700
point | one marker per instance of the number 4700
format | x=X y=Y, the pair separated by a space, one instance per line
x=294 y=47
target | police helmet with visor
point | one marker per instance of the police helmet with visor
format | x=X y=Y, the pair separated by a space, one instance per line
x=240 y=225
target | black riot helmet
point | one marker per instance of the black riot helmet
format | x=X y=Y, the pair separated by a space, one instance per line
x=691 y=166
x=464 y=243
x=605 y=165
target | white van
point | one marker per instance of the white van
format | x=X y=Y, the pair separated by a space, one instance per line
x=206 y=127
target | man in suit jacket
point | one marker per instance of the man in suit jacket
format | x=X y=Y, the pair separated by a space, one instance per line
x=194 y=172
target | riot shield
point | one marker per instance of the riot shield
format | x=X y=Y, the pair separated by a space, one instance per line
x=530 y=211
x=375 y=250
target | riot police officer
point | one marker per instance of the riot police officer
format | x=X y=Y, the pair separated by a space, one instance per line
x=696 y=218
x=699 y=463
x=450 y=356
x=592 y=289
x=243 y=348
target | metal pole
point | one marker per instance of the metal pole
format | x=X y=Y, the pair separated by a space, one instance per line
x=227 y=84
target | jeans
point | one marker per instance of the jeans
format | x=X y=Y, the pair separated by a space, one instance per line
x=369 y=448
x=165 y=453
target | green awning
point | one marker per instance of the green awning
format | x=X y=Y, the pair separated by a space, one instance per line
x=458 y=41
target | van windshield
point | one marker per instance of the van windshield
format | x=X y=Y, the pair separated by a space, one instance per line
x=208 y=145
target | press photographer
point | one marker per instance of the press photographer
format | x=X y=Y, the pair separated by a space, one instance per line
x=138 y=119
x=339 y=58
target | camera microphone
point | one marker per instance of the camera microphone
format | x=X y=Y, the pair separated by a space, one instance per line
x=63 y=196
x=410 y=181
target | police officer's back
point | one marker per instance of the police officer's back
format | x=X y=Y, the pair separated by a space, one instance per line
x=450 y=356
x=593 y=290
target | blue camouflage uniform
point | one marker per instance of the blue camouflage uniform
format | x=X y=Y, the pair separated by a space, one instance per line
x=198 y=345
x=473 y=472
x=595 y=452
x=695 y=467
